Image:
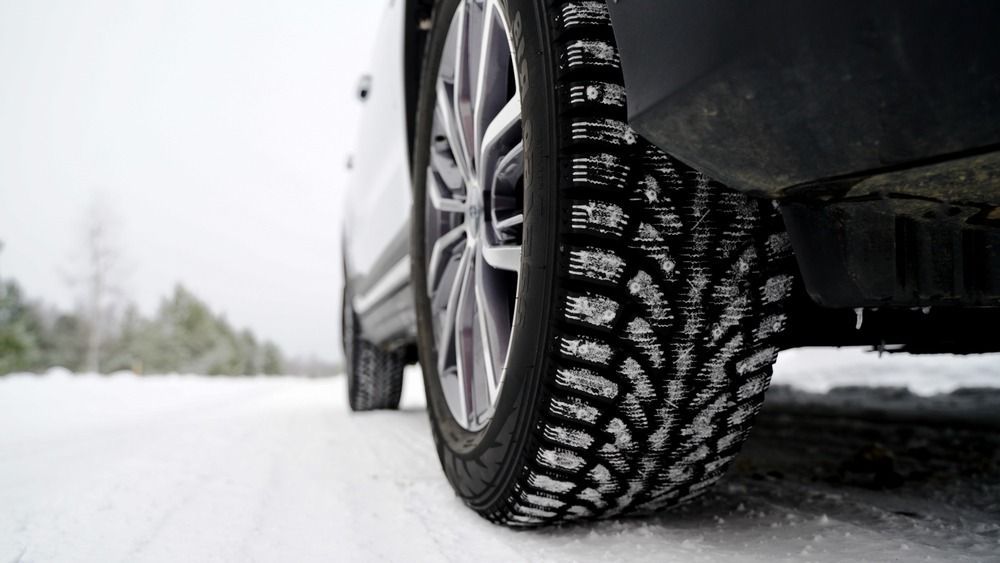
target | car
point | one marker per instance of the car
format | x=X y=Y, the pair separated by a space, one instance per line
x=595 y=224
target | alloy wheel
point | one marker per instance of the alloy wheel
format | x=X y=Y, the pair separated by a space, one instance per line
x=475 y=180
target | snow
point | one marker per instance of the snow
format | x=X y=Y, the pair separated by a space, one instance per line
x=594 y=309
x=183 y=467
x=586 y=381
x=821 y=369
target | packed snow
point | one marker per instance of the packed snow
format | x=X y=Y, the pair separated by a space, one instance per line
x=183 y=467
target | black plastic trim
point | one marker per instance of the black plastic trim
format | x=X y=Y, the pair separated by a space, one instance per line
x=771 y=94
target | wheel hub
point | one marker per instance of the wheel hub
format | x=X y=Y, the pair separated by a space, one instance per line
x=473 y=216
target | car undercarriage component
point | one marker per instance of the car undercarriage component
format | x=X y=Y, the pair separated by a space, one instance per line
x=917 y=237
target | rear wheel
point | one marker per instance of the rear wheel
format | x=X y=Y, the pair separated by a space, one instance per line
x=596 y=320
x=374 y=375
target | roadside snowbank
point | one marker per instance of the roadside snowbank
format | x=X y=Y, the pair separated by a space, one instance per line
x=819 y=370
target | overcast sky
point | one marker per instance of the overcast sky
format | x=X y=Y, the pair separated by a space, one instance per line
x=215 y=130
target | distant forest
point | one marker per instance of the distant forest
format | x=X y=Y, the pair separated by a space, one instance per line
x=106 y=333
x=184 y=336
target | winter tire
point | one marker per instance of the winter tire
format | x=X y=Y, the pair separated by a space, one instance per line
x=374 y=375
x=644 y=301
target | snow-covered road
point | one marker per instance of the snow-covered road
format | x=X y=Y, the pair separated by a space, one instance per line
x=188 y=468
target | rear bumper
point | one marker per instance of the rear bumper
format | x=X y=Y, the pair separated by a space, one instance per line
x=778 y=97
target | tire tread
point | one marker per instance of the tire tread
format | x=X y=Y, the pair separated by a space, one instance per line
x=671 y=298
x=375 y=376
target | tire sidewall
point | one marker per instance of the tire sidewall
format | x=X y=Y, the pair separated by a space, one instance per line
x=347 y=338
x=491 y=457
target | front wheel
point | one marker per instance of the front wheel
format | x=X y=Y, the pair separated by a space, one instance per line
x=596 y=320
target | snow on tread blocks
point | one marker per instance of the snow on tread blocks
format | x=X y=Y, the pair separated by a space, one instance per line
x=602 y=171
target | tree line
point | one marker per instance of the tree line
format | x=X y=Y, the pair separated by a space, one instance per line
x=106 y=333
x=183 y=336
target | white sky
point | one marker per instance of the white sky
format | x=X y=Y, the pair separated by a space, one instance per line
x=215 y=130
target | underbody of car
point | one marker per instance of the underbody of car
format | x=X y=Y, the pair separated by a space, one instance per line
x=599 y=283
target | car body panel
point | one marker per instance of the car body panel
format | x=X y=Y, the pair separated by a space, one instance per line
x=377 y=202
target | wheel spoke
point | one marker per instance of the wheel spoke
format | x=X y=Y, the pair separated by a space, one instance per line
x=505 y=208
x=444 y=164
x=510 y=222
x=465 y=328
x=494 y=325
x=447 y=344
x=506 y=119
x=446 y=115
x=441 y=253
x=442 y=198
x=511 y=165
x=505 y=257
x=461 y=95
x=491 y=77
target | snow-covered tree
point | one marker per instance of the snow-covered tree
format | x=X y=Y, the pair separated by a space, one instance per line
x=98 y=273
